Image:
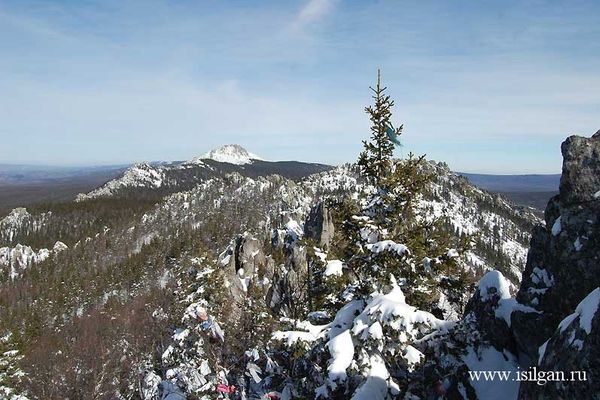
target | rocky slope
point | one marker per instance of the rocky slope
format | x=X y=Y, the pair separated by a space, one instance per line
x=547 y=337
x=176 y=230
x=499 y=229
x=562 y=277
x=154 y=181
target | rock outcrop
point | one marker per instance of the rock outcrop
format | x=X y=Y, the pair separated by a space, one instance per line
x=490 y=308
x=580 y=181
x=572 y=354
x=561 y=283
x=244 y=259
x=319 y=226
x=553 y=325
x=14 y=260
x=289 y=291
x=563 y=265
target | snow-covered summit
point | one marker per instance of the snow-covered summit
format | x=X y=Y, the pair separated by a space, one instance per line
x=230 y=153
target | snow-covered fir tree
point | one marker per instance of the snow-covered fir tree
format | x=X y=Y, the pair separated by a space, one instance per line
x=389 y=277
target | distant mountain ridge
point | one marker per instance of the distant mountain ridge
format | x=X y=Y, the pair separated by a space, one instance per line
x=155 y=180
x=515 y=183
x=22 y=185
x=532 y=190
x=230 y=153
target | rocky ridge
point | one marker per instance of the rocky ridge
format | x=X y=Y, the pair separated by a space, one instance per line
x=553 y=324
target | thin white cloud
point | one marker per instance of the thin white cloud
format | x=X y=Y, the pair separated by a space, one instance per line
x=313 y=11
x=166 y=118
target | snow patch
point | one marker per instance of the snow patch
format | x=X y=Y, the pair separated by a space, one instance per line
x=495 y=283
x=557 y=226
x=375 y=387
x=391 y=310
x=541 y=276
x=489 y=359
x=412 y=355
x=230 y=153
x=578 y=245
x=452 y=253
x=586 y=310
x=507 y=306
x=388 y=245
x=334 y=267
x=340 y=343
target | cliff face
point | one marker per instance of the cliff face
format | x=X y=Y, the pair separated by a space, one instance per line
x=561 y=278
x=563 y=265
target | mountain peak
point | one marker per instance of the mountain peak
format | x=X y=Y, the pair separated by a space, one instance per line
x=230 y=153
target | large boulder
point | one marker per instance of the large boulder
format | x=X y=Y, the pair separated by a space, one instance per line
x=319 y=226
x=490 y=309
x=242 y=261
x=249 y=256
x=580 y=181
x=288 y=294
x=570 y=359
x=563 y=264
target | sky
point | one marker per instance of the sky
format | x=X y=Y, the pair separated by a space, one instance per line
x=486 y=86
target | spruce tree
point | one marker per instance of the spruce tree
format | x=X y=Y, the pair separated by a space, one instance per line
x=391 y=213
x=375 y=160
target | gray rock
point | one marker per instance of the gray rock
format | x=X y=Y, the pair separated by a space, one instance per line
x=319 y=226
x=563 y=264
x=581 y=163
x=494 y=331
x=573 y=352
x=246 y=258
x=249 y=255
x=289 y=293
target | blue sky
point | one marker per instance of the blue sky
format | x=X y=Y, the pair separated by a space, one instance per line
x=487 y=86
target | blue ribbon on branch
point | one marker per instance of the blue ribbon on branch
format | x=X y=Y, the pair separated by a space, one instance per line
x=391 y=132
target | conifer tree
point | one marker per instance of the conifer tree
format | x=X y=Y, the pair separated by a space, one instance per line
x=390 y=214
x=375 y=160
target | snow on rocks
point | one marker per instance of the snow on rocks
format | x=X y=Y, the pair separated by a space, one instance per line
x=230 y=153
x=139 y=175
x=15 y=219
x=585 y=311
x=541 y=277
x=294 y=230
x=557 y=226
x=490 y=359
x=492 y=284
x=495 y=287
x=388 y=245
x=59 y=246
x=334 y=267
x=20 y=257
x=18 y=219
x=507 y=306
